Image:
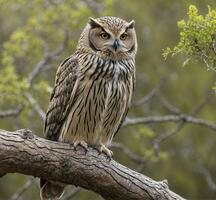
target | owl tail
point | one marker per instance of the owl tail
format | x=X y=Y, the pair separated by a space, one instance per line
x=51 y=190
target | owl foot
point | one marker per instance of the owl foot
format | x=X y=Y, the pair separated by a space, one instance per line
x=103 y=148
x=81 y=143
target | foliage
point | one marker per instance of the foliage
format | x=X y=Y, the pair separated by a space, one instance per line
x=197 y=38
x=12 y=88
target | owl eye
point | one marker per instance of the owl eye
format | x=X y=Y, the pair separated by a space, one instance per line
x=105 y=36
x=123 y=36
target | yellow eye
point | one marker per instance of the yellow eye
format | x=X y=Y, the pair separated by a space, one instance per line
x=105 y=36
x=123 y=36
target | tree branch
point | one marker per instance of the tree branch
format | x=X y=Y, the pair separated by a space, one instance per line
x=207 y=175
x=151 y=94
x=36 y=106
x=170 y=118
x=24 y=152
x=11 y=113
x=128 y=153
x=47 y=58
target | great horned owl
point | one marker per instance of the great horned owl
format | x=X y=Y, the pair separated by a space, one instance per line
x=93 y=90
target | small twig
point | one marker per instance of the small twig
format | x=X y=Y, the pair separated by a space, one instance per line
x=150 y=95
x=11 y=113
x=203 y=103
x=36 y=106
x=132 y=156
x=208 y=177
x=170 y=107
x=156 y=142
x=72 y=193
x=46 y=59
x=38 y=68
x=146 y=98
x=24 y=188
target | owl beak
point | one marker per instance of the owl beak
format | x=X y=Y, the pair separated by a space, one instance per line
x=116 y=45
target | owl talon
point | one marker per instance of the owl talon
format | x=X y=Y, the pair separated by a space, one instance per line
x=103 y=149
x=81 y=143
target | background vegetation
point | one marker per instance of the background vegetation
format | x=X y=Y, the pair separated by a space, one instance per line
x=163 y=136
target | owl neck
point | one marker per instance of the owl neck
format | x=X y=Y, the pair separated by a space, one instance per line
x=91 y=64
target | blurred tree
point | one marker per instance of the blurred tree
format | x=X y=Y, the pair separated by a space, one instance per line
x=36 y=35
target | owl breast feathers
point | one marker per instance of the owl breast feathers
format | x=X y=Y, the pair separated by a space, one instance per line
x=93 y=87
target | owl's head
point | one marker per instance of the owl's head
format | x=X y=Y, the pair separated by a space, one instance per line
x=110 y=37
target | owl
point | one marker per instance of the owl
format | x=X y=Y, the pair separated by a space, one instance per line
x=93 y=90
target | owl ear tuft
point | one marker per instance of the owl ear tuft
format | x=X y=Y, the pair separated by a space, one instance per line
x=93 y=23
x=131 y=24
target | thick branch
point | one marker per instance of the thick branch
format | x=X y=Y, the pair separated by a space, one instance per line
x=25 y=153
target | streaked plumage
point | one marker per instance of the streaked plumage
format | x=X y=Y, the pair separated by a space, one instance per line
x=93 y=89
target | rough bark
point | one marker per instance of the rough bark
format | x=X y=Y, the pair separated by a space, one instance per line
x=24 y=152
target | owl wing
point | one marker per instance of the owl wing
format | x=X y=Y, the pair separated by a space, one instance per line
x=61 y=98
x=128 y=103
